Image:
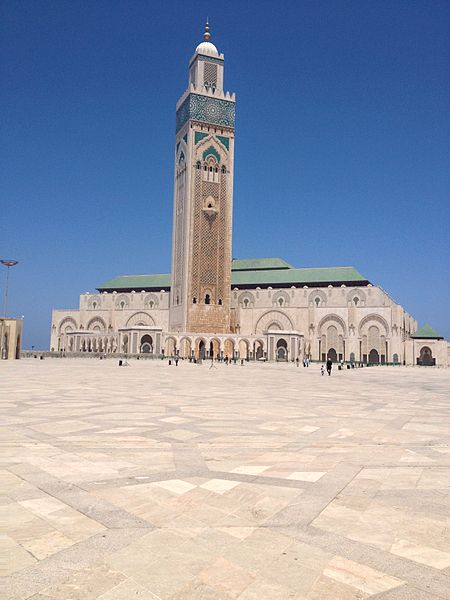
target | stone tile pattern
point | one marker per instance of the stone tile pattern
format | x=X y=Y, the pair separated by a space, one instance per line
x=255 y=482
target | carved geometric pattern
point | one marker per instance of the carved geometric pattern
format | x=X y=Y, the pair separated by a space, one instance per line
x=96 y=324
x=94 y=302
x=271 y=318
x=280 y=299
x=151 y=298
x=122 y=301
x=67 y=324
x=356 y=293
x=317 y=294
x=206 y=110
x=374 y=318
x=332 y=320
x=210 y=73
x=210 y=59
x=179 y=231
x=224 y=141
x=140 y=318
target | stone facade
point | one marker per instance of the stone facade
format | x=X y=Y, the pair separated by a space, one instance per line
x=10 y=338
x=203 y=198
x=213 y=306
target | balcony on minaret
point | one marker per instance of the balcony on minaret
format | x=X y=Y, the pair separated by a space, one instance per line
x=210 y=209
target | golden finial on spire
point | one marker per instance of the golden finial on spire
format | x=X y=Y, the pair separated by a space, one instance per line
x=207 y=35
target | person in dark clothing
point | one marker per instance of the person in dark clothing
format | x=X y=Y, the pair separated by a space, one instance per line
x=329 y=366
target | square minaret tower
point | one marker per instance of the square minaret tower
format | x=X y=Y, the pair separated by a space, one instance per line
x=203 y=198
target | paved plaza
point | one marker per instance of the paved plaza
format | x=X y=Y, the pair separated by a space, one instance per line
x=262 y=481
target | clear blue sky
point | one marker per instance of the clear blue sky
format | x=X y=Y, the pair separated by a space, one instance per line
x=341 y=141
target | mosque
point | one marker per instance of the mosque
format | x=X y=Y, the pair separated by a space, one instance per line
x=212 y=305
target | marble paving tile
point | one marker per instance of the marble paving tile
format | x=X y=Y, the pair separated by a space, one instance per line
x=306 y=475
x=128 y=590
x=422 y=554
x=219 y=486
x=276 y=484
x=181 y=434
x=228 y=577
x=360 y=576
x=177 y=486
x=15 y=557
x=250 y=469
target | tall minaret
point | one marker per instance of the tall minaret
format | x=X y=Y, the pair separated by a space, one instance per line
x=203 y=198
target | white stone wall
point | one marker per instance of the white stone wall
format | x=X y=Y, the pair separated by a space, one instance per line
x=353 y=320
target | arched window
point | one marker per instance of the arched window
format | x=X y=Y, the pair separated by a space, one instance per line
x=205 y=168
x=246 y=302
x=219 y=302
x=355 y=300
x=280 y=301
x=122 y=305
x=224 y=170
x=207 y=299
x=198 y=165
x=194 y=300
x=317 y=301
x=94 y=305
x=151 y=304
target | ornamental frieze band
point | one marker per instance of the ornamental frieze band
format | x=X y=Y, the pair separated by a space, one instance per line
x=205 y=109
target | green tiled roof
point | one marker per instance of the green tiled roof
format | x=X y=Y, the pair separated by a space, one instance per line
x=259 y=264
x=243 y=277
x=427 y=332
x=297 y=276
x=136 y=282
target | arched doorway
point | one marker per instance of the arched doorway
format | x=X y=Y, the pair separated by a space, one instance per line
x=146 y=344
x=214 y=348
x=259 y=349
x=332 y=354
x=171 y=346
x=282 y=350
x=426 y=357
x=374 y=357
x=185 y=348
x=201 y=349
x=395 y=359
x=228 y=349
x=243 y=349
x=125 y=344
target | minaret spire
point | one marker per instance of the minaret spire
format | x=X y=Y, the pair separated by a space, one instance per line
x=207 y=35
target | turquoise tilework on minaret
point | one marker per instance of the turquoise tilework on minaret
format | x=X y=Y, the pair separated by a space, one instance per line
x=212 y=151
x=198 y=136
x=207 y=110
x=224 y=141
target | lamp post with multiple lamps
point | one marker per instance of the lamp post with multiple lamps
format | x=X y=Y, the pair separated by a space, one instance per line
x=8 y=264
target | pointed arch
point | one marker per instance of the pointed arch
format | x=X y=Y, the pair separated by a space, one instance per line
x=96 y=324
x=273 y=317
x=67 y=324
x=142 y=319
x=332 y=320
x=371 y=319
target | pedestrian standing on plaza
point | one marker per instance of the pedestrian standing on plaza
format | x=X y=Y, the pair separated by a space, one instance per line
x=329 y=366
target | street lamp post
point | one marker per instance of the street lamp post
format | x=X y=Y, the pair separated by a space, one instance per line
x=8 y=264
